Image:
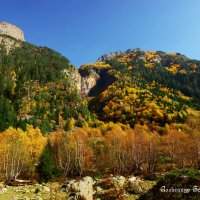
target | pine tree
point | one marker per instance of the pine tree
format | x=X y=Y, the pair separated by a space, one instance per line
x=45 y=168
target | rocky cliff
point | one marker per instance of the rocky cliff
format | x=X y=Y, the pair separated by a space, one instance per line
x=88 y=80
x=74 y=78
x=11 y=30
x=108 y=56
x=9 y=43
x=10 y=36
x=95 y=78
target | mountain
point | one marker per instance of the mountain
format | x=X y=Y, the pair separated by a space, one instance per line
x=38 y=86
x=133 y=112
x=146 y=87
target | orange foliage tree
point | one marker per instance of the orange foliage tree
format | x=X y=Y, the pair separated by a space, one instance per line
x=116 y=149
x=82 y=150
x=143 y=148
x=71 y=151
x=178 y=146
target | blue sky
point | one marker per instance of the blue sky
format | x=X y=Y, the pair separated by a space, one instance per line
x=83 y=30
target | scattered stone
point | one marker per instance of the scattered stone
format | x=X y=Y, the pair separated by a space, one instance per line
x=133 y=186
x=111 y=188
x=3 y=190
x=99 y=190
x=46 y=189
x=132 y=179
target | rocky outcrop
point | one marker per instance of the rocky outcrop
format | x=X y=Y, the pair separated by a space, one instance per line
x=11 y=30
x=74 y=78
x=10 y=36
x=117 y=53
x=110 y=55
x=94 y=80
x=133 y=50
x=88 y=82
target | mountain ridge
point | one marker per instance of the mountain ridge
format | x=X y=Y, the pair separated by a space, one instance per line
x=40 y=87
x=149 y=87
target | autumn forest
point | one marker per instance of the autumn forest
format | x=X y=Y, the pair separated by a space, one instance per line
x=140 y=117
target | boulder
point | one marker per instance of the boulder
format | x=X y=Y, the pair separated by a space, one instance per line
x=82 y=189
x=110 y=188
x=132 y=179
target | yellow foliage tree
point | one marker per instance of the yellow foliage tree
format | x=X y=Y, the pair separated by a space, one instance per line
x=14 y=153
x=37 y=143
x=20 y=151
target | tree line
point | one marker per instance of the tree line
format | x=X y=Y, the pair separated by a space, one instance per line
x=115 y=149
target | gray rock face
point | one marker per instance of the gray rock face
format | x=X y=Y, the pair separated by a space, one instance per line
x=95 y=80
x=11 y=30
x=88 y=82
x=133 y=50
x=110 y=55
x=74 y=78
x=117 y=53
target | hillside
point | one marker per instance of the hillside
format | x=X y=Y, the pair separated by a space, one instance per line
x=38 y=86
x=146 y=87
x=132 y=113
